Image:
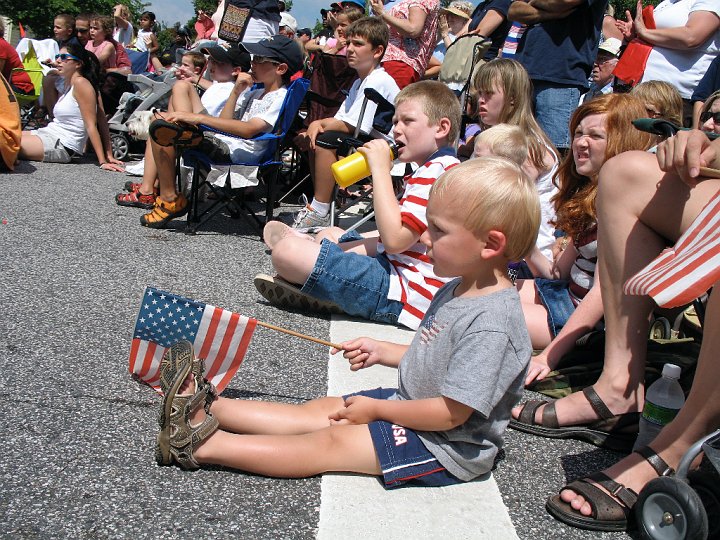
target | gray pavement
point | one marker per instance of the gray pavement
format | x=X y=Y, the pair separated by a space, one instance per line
x=79 y=433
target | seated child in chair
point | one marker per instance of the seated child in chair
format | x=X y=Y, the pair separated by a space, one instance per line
x=390 y=278
x=457 y=380
x=245 y=115
x=367 y=39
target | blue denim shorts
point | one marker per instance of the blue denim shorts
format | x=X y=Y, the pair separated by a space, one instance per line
x=554 y=105
x=555 y=296
x=404 y=460
x=357 y=283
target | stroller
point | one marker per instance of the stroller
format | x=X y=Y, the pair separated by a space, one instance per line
x=151 y=94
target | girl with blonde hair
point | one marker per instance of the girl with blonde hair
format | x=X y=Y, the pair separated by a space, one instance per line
x=504 y=96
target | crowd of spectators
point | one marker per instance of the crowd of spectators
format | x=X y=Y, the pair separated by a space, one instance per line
x=556 y=91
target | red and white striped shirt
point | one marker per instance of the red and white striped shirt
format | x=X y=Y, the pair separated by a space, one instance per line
x=412 y=279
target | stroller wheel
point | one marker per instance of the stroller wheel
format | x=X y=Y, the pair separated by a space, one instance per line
x=120 y=146
x=660 y=329
x=669 y=509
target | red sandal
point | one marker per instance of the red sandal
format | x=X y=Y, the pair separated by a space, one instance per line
x=136 y=199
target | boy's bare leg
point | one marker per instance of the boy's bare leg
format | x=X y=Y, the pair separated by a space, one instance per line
x=323 y=180
x=294 y=258
x=164 y=160
x=346 y=448
x=699 y=416
x=268 y=418
x=185 y=98
x=149 y=171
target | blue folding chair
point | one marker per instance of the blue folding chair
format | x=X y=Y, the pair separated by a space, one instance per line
x=269 y=163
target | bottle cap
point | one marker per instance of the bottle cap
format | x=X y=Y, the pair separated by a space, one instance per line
x=672 y=371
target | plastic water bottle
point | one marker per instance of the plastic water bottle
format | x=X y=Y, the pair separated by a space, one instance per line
x=354 y=168
x=663 y=400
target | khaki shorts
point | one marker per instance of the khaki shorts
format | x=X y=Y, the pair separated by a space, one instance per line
x=53 y=150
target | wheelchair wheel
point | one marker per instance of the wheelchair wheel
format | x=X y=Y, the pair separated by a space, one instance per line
x=706 y=486
x=669 y=509
x=660 y=329
x=120 y=146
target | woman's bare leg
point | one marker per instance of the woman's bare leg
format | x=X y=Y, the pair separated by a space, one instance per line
x=31 y=147
x=536 y=315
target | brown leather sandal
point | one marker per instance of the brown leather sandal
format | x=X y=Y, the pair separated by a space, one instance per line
x=611 y=511
x=613 y=431
x=171 y=134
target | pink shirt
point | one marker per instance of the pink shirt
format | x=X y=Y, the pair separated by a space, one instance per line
x=111 y=62
x=413 y=52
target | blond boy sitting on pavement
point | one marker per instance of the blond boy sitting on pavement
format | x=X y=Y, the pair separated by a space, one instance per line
x=457 y=380
x=387 y=278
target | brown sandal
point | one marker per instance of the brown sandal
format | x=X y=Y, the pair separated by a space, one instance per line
x=171 y=134
x=613 y=431
x=610 y=512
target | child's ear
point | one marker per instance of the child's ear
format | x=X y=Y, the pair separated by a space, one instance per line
x=495 y=245
x=443 y=128
x=378 y=52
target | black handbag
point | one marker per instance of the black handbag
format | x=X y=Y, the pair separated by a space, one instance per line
x=234 y=22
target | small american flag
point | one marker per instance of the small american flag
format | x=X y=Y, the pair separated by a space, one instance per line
x=219 y=336
x=689 y=269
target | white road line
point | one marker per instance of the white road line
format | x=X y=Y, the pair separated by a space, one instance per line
x=354 y=506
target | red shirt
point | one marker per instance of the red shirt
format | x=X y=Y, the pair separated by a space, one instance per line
x=19 y=79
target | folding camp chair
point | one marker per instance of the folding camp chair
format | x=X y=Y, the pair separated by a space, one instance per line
x=269 y=163
x=381 y=128
x=29 y=103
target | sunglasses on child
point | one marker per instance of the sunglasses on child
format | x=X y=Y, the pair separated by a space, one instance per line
x=704 y=117
x=263 y=60
x=64 y=57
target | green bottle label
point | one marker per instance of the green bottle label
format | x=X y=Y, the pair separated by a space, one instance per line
x=657 y=414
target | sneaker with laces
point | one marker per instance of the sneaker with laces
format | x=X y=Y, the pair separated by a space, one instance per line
x=283 y=294
x=164 y=211
x=309 y=221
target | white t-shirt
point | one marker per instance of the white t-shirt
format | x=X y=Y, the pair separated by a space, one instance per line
x=123 y=35
x=68 y=124
x=683 y=68
x=140 y=44
x=214 y=98
x=547 y=190
x=378 y=80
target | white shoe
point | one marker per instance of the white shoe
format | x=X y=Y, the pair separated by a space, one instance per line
x=137 y=169
x=307 y=220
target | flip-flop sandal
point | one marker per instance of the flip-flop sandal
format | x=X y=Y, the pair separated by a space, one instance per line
x=613 y=431
x=281 y=293
x=609 y=512
x=170 y=134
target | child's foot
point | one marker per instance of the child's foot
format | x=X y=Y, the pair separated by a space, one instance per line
x=275 y=231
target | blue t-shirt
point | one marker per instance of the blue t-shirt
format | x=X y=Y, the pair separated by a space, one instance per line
x=562 y=51
x=500 y=33
x=709 y=83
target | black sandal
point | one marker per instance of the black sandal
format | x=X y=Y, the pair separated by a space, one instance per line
x=613 y=431
x=170 y=134
x=610 y=512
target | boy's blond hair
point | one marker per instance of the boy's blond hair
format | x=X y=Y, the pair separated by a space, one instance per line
x=664 y=97
x=506 y=141
x=438 y=102
x=197 y=59
x=493 y=193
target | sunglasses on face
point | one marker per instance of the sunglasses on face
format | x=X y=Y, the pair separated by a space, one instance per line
x=64 y=57
x=704 y=117
x=264 y=60
x=82 y=30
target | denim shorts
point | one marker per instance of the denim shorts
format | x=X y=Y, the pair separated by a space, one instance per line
x=404 y=460
x=554 y=105
x=555 y=296
x=357 y=283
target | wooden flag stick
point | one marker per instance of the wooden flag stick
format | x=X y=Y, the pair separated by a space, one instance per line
x=709 y=172
x=298 y=334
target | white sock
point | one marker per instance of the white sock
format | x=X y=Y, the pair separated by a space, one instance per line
x=321 y=208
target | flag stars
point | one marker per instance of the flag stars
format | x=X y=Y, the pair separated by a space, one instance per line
x=162 y=297
x=174 y=300
x=154 y=302
x=162 y=319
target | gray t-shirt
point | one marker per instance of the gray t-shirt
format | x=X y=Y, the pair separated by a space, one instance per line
x=474 y=351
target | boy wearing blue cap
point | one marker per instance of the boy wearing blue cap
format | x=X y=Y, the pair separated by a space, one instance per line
x=245 y=115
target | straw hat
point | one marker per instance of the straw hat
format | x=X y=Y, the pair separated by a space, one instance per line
x=460 y=8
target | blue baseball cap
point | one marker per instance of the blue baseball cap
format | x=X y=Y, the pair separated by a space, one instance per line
x=340 y=5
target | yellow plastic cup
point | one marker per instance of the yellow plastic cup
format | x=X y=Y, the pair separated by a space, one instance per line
x=353 y=168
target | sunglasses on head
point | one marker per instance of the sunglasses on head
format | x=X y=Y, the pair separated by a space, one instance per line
x=704 y=117
x=264 y=60
x=64 y=57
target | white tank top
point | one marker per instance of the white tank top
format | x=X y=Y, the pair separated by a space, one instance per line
x=68 y=124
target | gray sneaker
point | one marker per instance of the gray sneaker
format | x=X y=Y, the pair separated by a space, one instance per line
x=308 y=220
